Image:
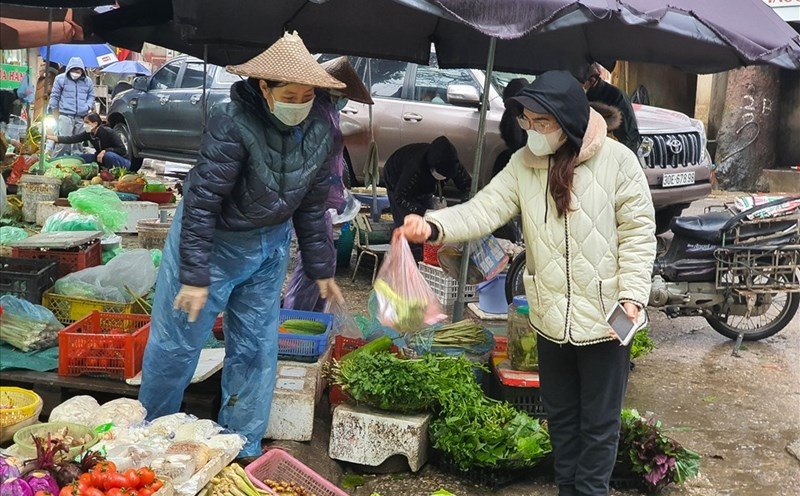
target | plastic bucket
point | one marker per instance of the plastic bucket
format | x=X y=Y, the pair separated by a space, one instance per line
x=33 y=189
x=492 y=295
x=153 y=233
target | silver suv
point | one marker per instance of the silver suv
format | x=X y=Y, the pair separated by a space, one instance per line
x=161 y=117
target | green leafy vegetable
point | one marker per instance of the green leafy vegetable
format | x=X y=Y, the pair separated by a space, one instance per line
x=642 y=344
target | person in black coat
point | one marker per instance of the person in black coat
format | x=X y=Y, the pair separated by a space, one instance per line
x=109 y=148
x=601 y=91
x=513 y=135
x=414 y=172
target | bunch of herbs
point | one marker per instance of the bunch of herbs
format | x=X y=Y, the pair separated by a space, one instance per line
x=642 y=344
x=646 y=451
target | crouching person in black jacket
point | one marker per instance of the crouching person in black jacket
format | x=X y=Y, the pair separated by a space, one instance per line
x=109 y=148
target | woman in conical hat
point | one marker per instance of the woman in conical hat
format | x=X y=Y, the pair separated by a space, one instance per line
x=262 y=167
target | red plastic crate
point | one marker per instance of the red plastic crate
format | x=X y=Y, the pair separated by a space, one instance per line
x=280 y=466
x=69 y=261
x=430 y=254
x=108 y=344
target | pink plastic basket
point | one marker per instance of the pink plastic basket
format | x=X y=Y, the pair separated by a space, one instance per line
x=279 y=465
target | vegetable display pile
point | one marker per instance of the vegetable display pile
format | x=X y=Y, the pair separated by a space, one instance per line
x=283 y=488
x=470 y=428
x=465 y=334
x=105 y=480
x=644 y=450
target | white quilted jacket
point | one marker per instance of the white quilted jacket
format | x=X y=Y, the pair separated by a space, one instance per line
x=580 y=264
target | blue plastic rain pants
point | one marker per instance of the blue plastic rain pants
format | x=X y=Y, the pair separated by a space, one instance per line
x=247 y=273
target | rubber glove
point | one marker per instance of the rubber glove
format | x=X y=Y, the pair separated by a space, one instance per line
x=191 y=299
x=329 y=289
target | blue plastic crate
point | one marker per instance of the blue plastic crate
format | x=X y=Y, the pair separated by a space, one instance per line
x=301 y=347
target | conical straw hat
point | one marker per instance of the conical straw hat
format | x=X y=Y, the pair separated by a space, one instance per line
x=341 y=69
x=289 y=61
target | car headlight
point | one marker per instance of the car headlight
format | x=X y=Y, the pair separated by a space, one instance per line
x=646 y=148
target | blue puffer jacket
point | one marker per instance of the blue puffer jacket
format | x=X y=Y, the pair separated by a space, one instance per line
x=72 y=97
x=254 y=171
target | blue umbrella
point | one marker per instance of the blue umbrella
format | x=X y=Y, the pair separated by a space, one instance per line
x=99 y=55
x=127 y=67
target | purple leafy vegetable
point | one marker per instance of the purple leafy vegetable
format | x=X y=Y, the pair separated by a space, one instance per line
x=15 y=487
x=7 y=470
x=41 y=480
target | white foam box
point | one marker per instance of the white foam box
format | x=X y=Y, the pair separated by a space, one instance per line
x=136 y=210
x=291 y=417
x=368 y=436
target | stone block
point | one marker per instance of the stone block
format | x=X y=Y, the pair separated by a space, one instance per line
x=369 y=437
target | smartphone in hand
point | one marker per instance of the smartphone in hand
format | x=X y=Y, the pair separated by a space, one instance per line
x=625 y=328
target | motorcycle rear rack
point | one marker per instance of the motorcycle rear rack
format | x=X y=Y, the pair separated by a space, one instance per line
x=758 y=269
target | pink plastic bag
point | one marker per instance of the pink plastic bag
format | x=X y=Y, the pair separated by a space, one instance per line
x=405 y=301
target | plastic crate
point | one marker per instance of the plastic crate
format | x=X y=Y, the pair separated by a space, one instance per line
x=69 y=309
x=298 y=347
x=26 y=278
x=69 y=261
x=445 y=287
x=108 y=344
x=280 y=466
x=341 y=347
x=492 y=478
x=521 y=389
x=429 y=254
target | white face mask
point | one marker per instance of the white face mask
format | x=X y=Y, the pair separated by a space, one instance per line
x=75 y=74
x=544 y=144
x=437 y=176
x=88 y=128
x=292 y=114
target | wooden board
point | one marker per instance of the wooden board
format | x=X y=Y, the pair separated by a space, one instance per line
x=210 y=362
x=58 y=240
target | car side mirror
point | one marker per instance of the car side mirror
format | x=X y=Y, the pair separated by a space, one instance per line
x=463 y=94
x=141 y=83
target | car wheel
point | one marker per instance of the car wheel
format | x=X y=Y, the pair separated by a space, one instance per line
x=125 y=134
x=349 y=176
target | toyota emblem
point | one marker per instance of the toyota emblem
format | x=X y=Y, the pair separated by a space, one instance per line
x=675 y=145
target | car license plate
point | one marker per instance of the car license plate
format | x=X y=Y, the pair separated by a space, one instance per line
x=678 y=179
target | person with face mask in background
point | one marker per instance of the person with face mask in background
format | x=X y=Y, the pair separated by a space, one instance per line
x=109 y=148
x=301 y=291
x=589 y=228
x=415 y=172
x=73 y=97
x=598 y=90
x=263 y=167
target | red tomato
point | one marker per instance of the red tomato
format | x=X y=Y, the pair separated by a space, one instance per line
x=115 y=491
x=147 y=476
x=156 y=485
x=105 y=466
x=86 y=479
x=115 y=480
x=69 y=490
x=145 y=491
x=93 y=491
x=133 y=478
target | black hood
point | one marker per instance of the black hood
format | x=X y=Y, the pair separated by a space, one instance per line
x=443 y=157
x=560 y=94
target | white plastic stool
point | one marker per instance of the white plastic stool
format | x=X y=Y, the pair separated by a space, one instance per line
x=369 y=437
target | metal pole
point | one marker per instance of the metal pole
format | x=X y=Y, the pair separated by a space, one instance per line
x=376 y=216
x=43 y=140
x=458 y=308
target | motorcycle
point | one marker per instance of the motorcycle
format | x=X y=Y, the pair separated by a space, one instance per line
x=737 y=270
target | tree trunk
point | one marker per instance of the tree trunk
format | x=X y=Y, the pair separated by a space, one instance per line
x=746 y=139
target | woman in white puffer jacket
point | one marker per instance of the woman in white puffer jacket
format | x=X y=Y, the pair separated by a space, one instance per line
x=589 y=228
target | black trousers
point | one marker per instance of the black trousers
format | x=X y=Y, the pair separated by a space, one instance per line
x=582 y=391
